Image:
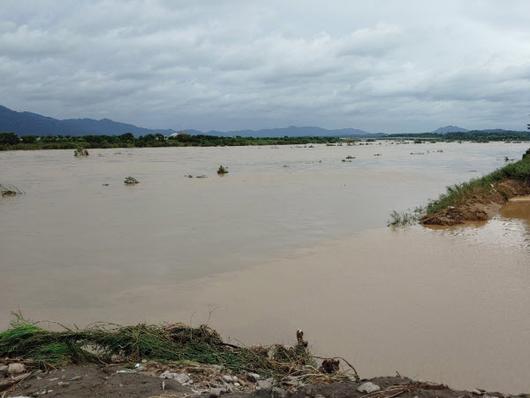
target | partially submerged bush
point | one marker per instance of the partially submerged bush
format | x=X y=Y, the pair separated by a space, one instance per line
x=405 y=218
x=80 y=152
x=222 y=170
x=9 y=190
x=130 y=181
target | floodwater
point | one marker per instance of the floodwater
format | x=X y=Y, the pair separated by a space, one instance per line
x=291 y=238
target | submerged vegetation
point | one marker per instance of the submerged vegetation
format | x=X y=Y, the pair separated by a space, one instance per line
x=130 y=181
x=222 y=170
x=80 y=152
x=401 y=219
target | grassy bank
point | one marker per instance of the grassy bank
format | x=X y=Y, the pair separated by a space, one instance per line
x=469 y=201
x=483 y=186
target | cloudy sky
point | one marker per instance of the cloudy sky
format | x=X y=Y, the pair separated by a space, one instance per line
x=379 y=65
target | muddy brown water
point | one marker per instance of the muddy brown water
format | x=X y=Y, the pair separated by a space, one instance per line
x=291 y=238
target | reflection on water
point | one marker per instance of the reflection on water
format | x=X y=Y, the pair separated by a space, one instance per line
x=270 y=249
x=518 y=208
x=510 y=229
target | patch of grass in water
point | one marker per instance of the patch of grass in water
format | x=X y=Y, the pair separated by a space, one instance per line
x=405 y=218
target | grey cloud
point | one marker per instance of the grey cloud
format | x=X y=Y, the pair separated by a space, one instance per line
x=378 y=65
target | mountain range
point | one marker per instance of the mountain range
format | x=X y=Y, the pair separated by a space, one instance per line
x=28 y=123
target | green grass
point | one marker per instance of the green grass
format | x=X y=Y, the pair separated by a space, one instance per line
x=404 y=218
x=175 y=342
x=485 y=185
x=460 y=193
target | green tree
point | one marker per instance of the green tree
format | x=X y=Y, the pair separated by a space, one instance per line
x=8 y=139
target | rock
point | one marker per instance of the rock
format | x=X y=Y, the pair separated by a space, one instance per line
x=228 y=378
x=264 y=384
x=115 y=358
x=16 y=368
x=253 y=377
x=368 y=387
x=330 y=365
x=278 y=392
x=291 y=381
x=216 y=392
x=182 y=378
x=125 y=371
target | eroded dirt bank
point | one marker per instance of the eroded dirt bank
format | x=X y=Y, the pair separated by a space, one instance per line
x=479 y=206
x=479 y=199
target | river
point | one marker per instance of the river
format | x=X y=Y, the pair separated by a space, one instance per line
x=292 y=237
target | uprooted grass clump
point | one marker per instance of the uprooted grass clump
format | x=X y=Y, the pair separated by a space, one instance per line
x=480 y=187
x=174 y=342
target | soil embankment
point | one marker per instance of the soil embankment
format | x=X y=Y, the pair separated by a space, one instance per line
x=479 y=206
x=479 y=199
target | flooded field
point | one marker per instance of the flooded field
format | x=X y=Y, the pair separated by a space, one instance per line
x=292 y=237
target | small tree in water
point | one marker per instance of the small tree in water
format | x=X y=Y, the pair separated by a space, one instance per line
x=222 y=170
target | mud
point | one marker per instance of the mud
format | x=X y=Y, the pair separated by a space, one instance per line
x=107 y=381
x=481 y=206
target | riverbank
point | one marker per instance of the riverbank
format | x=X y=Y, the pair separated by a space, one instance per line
x=90 y=381
x=179 y=361
x=480 y=199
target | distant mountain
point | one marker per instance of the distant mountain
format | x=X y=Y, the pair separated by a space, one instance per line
x=450 y=129
x=291 y=131
x=27 y=123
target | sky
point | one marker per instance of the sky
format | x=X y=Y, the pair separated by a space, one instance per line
x=378 y=65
